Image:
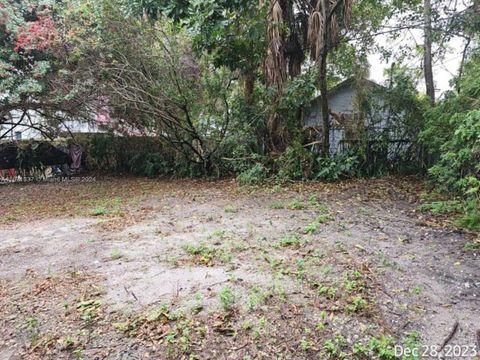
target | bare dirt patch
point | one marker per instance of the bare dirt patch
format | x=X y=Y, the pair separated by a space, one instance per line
x=176 y=269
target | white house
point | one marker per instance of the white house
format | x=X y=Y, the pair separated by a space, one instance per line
x=346 y=118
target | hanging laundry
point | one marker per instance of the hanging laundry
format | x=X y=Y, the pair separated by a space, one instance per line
x=76 y=153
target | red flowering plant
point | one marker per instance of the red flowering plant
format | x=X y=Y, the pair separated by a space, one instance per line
x=38 y=78
x=39 y=34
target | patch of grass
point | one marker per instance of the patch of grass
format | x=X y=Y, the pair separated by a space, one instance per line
x=88 y=310
x=382 y=347
x=469 y=221
x=297 y=205
x=226 y=256
x=364 y=211
x=353 y=281
x=301 y=265
x=326 y=269
x=99 y=211
x=442 y=207
x=469 y=214
x=218 y=234
x=306 y=344
x=330 y=292
x=318 y=205
x=256 y=298
x=289 y=240
x=67 y=342
x=227 y=298
x=311 y=228
x=231 y=209
x=340 y=246
x=472 y=245
x=115 y=254
x=78 y=353
x=315 y=225
x=202 y=253
x=333 y=347
x=239 y=245
x=105 y=207
x=276 y=205
x=411 y=342
x=205 y=255
x=417 y=290
x=322 y=324
x=33 y=329
x=356 y=305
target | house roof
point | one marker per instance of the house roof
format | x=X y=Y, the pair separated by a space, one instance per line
x=349 y=82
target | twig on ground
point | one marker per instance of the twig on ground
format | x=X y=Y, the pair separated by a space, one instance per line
x=450 y=336
x=477 y=338
x=130 y=292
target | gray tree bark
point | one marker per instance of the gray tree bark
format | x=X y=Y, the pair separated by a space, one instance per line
x=427 y=59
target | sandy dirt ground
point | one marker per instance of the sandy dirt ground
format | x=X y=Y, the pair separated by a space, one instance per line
x=144 y=269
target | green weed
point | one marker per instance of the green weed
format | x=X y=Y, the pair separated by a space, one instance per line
x=289 y=240
x=227 y=298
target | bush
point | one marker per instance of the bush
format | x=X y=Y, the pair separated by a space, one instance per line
x=254 y=175
x=150 y=164
x=295 y=163
x=452 y=135
x=337 y=167
x=470 y=221
x=143 y=156
x=459 y=166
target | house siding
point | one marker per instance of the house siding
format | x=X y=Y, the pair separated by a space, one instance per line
x=340 y=102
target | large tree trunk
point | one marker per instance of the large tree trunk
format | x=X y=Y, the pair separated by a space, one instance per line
x=323 y=82
x=325 y=110
x=427 y=61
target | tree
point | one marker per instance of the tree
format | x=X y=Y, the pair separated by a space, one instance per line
x=325 y=23
x=427 y=49
x=156 y=86
x=41 y=84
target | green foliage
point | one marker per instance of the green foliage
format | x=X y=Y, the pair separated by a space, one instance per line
x=452 y=133
x=443 y=207
x=295 y=163
x=470 y=220
x=411 y=342
x=382 y=346
x=288 y=240
x=136 y=155
x=150 y=164
x=254 y=175
x=336 y=167
x=466 y=210
x=459 y=163
x=227 y=298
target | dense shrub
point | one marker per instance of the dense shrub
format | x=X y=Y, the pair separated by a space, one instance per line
x=452 y=134
x=337 y=167
x=296 y=163
x=150 y=164
x=139 y=155
x=254 y=175
x=452 y=137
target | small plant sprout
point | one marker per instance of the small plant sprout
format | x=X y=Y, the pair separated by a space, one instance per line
x=227 y=298
x=289 y=240
x=231 y=209
x=115 y=254
x=99 y=211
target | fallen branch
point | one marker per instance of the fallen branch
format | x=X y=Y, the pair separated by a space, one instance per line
x=450 y=336
x=477 y=338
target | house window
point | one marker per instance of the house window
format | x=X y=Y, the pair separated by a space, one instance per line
x=18 y=135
